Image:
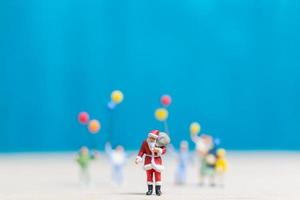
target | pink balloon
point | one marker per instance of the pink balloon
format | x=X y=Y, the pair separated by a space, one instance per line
x=166 y=100
x=83 y=117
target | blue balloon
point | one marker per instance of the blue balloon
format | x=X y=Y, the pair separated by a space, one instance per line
x=111 y=105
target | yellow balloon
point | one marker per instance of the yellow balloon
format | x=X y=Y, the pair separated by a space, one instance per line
x=195 y=128
x=161 y=114
x=117 y=96
x=94 y=126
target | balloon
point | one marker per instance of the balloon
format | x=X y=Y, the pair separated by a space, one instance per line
x=195 y=128
x=94 y=126
x=166 y=100
x=161 y=114
x=117 y=96
x=83 y=117
x=111 y=105
x=217 y=141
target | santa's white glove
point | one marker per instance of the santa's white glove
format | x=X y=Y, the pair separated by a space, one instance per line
x=138 y=159
x=158 y=151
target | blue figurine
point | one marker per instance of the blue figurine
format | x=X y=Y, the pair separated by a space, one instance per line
x=118 y=159
x=183 y=158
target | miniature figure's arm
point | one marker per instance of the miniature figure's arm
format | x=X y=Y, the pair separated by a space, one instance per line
x=78 y=159
x=225 y=165
x=161 y=150
x=139 y=157
x=142 y=150
x=94 y=155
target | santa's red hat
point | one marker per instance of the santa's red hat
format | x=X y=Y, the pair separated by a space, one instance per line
x=153 y=133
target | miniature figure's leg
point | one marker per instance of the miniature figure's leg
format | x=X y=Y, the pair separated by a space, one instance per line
x=177 y=176
x=201 y=177
x=117 y=174
x=120 y=174
x=183 y=175
x=212 y=179
x=157 y=183
x=204 y=173
x=220 y=179
x=113 y=174
x=81 y=176
x=85 y=176
x=150 y=181
x=157 y=178
x=150 y=176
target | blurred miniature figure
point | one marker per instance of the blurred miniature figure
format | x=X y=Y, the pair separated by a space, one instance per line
x=183 y=158
x=207 y=169
x=117 y=158
x=153 y=148
x=84 y=159
x=206 y=152
x=221 y=166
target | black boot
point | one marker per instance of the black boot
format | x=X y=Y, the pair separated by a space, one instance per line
x=150 y=190
x=157 y=190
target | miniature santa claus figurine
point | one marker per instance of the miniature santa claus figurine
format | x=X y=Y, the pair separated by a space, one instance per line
x=152 y=149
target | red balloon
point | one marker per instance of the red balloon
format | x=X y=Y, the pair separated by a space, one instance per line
x=166 y=100
x=83 y=117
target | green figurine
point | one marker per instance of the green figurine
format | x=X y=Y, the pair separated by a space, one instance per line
x=84 y=159
x=204 y=147
x=208 y=169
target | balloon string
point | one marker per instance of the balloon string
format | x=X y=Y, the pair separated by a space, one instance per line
x=166 y=127
x=110 y=127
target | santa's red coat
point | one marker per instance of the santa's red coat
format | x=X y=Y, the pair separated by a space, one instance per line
x=145 y=150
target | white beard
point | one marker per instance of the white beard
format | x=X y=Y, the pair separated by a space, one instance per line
x=151 y=145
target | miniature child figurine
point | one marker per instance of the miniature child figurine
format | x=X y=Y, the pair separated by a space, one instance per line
x=84 y=159
x=205 y=150
x=153 y=148
x=183 y=158
x=117 y=159
x=221 y=165
x=208 y=169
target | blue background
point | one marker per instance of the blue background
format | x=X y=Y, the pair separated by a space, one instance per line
x=232 y=65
